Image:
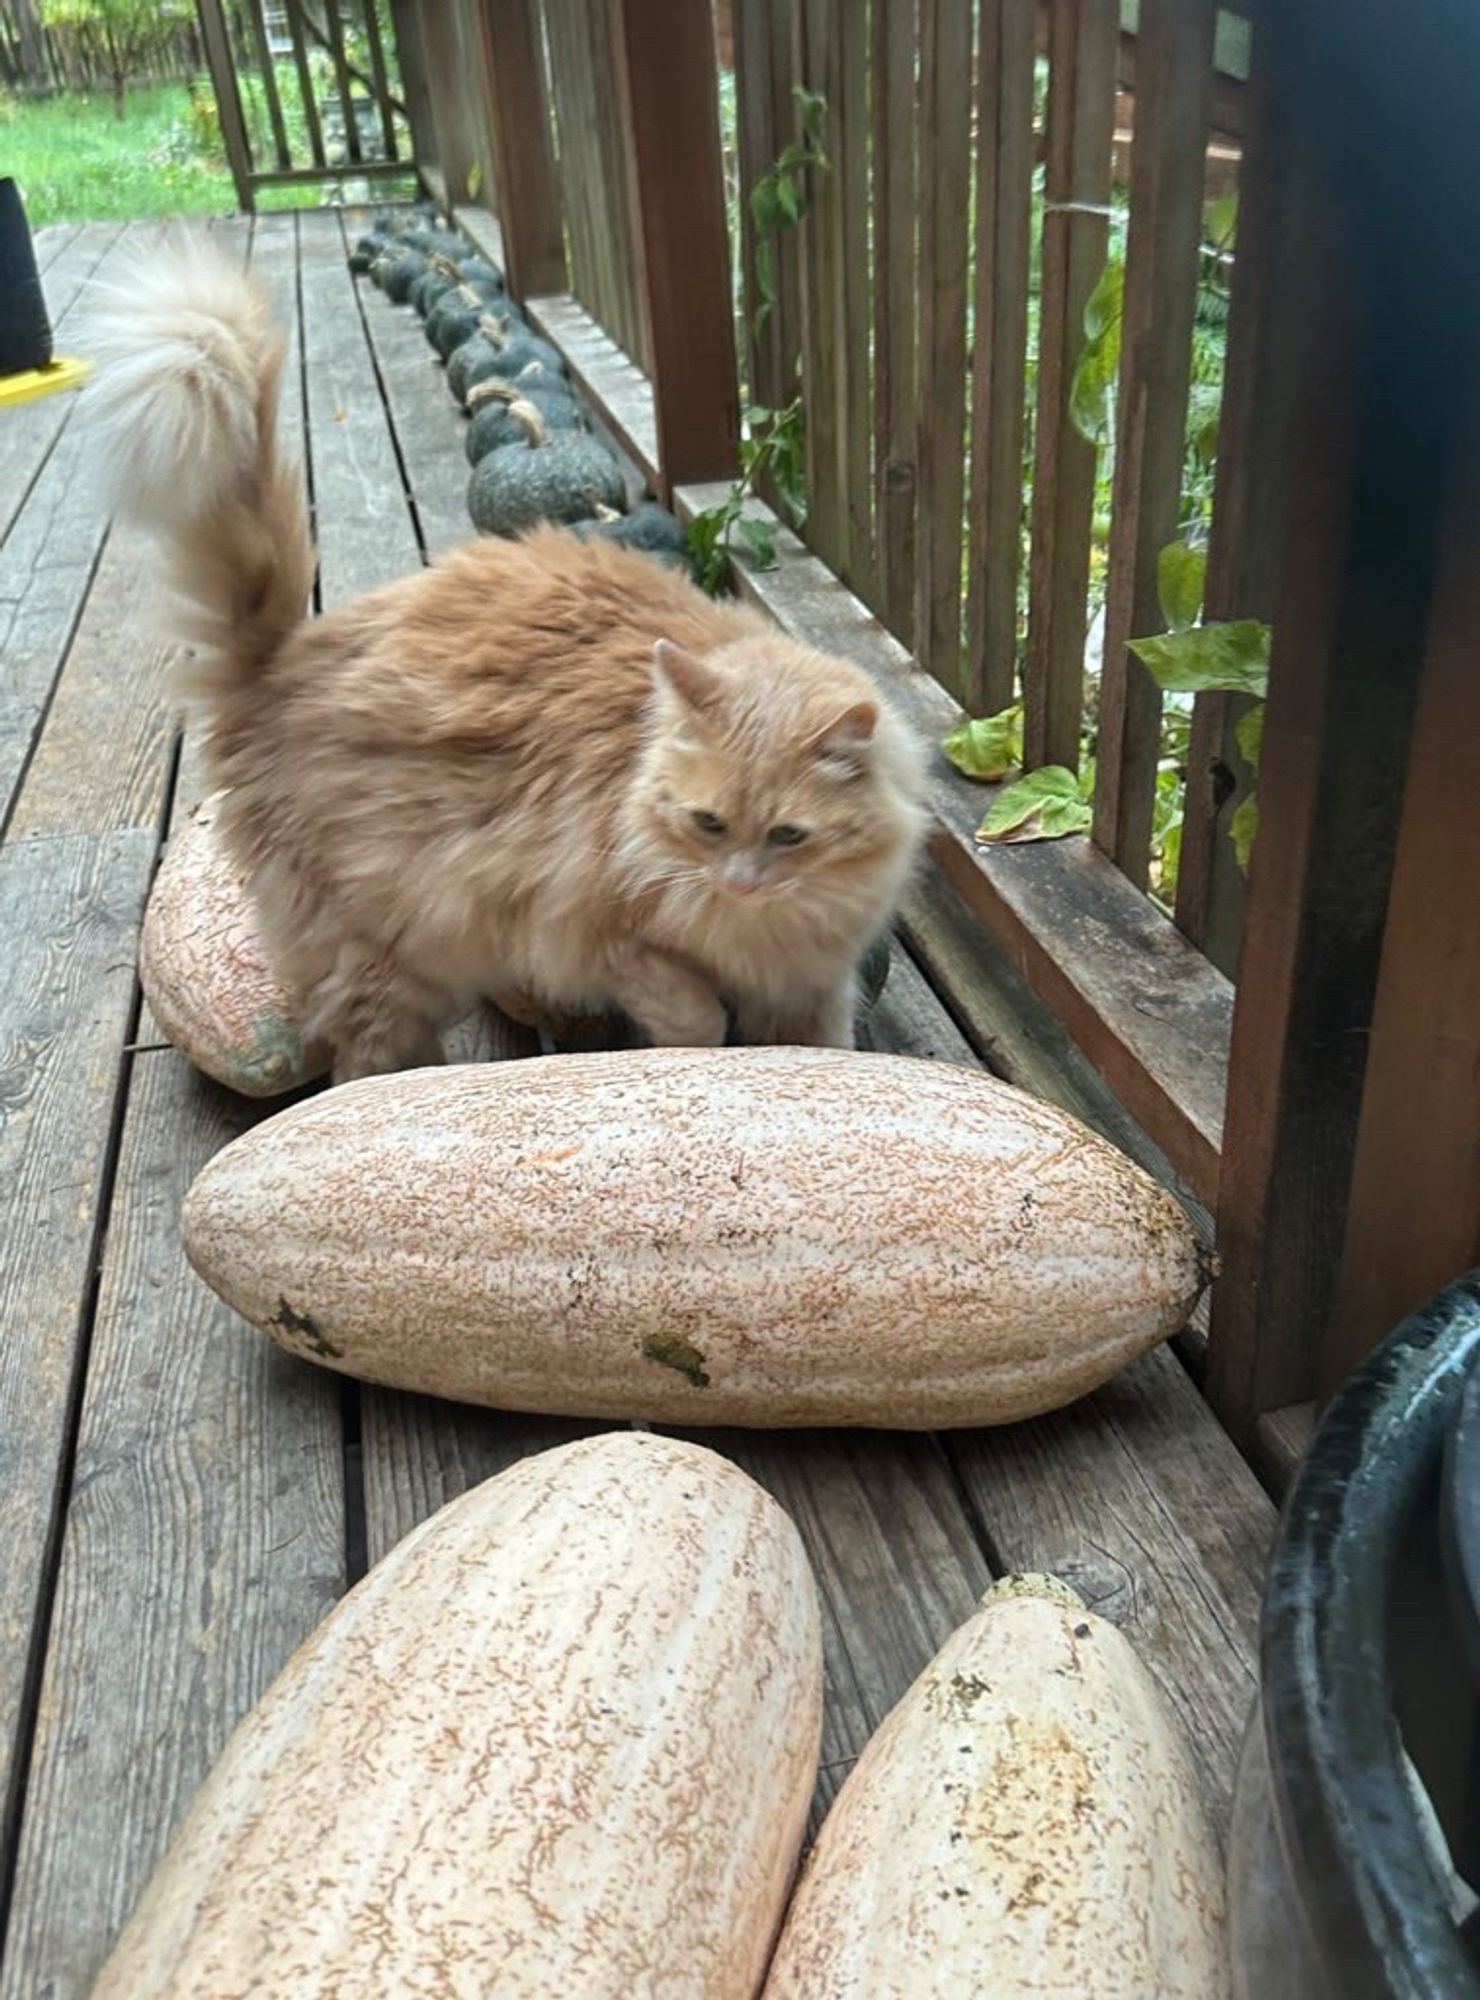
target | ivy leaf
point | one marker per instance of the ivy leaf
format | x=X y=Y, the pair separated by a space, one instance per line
x=789 y=199
x=1045 y=805
x=1098 y=366
x=1242 y=829
x=1180 y=575
x=1231 y=659
x=989 y=747
x=759 y=538
x=1248 y=734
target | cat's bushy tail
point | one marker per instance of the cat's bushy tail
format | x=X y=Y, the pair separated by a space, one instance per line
x=185 y=406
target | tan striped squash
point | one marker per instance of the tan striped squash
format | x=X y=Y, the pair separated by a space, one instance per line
x=1026 y=1822
x=205 y=974
x=559 y=1745
x=762 y=1236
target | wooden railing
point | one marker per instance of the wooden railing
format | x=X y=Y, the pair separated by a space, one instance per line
x=964 y=536
x=310 y=93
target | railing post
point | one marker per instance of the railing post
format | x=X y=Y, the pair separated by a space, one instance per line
x=451 y=81
x=228 y=103
x=411 y=61
x=519 y=119
x=674 y=105
x=1414 y=1223
x=1376 y=312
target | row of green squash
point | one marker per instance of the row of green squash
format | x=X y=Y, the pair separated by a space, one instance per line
x=560 y=1744
x=533 y=455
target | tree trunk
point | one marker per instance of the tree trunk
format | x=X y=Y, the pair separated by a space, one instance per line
x=32 y=45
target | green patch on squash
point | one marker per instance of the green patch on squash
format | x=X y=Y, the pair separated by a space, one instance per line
x=673 y=1351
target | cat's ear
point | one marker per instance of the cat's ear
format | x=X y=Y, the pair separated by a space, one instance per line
x=684 y=675
x=842 y=744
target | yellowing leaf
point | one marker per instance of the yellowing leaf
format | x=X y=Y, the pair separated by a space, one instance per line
x=1045 y=805
x=1248 y=734
x=1180 y=574
x=988 y=748
x=1242 y=828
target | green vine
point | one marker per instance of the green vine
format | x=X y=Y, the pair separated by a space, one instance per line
x=1189 y=657
x=774 y=446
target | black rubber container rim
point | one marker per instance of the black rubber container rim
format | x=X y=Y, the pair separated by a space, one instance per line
x=1378 y=1913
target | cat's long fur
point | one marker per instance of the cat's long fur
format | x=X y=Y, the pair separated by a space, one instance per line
x=504 y=773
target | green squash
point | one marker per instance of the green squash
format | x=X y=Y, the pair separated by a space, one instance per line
x=567 y=478
x=495 y=422
x=455 y=316
x=498 y=351
x=650 y=528
x=403 y=271
x=477 y=270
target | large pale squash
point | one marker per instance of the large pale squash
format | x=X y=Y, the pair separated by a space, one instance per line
x=205 y=973
x=1026 y=1822
x=558 y=1745
x=756 y=1236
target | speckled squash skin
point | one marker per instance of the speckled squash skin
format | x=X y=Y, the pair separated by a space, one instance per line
x=763 y=1236
x=206 y=976
x=558 y=1745
x=1025 y=1823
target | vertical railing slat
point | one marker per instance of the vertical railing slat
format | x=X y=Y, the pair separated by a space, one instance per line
x=258 y=21
x=1243 y=555
x=757 y=146
x=228 y=100
x=851 y=166
x=335 y=23
x=895 y=32
x=1084 y=43
x=311 y=118
x=381 y=78
x=1004 y=200
x=1174 y=75
x=945 y=149
x=673 y=104
x=825 y=362
x=519 y=123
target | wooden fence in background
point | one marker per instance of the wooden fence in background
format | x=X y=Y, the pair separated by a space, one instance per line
x=930 y=307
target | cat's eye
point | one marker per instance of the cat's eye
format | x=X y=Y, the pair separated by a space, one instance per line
x=787 y=836
x=708 y=822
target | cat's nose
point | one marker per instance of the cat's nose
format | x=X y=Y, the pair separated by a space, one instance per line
x=740 y=875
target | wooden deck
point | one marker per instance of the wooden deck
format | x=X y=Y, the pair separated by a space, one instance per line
x=181 y=1502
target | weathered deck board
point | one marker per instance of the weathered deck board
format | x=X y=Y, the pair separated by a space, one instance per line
x=102 y=760
x=29 y=431
x=52 y=525
x=68 y=915
x=429 y=427
x=204 y=1541
x=362 y=519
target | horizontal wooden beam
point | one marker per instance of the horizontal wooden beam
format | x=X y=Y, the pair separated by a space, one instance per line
x=350 y=170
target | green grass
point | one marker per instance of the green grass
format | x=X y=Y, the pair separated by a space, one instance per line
x=76 y=162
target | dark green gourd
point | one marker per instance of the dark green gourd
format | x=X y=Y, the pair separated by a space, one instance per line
x=496 y=423
x=566 y=478
x=478 y=271
x=650 y=528
x=498 y=350
x=404 y=269
x=455 y=316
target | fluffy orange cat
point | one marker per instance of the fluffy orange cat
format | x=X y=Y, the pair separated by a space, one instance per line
x=546 y=767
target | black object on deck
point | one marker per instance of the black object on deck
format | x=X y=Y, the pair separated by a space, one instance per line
x=25 y=329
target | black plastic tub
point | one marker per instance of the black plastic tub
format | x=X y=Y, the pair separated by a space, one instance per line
x=1356 y=1831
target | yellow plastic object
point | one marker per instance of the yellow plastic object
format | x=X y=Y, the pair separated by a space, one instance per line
x=64 y=373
